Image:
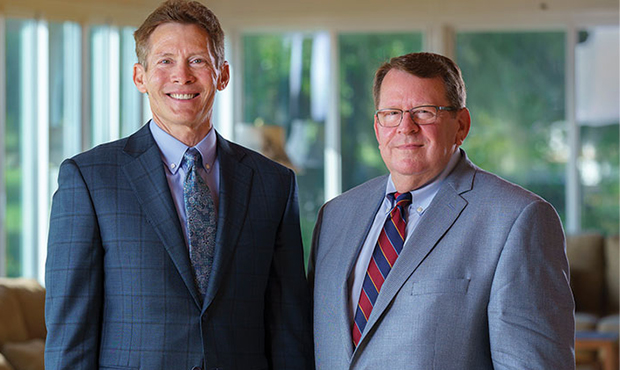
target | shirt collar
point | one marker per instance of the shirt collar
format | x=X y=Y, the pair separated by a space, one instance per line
x=422 y=197
x=172 y=150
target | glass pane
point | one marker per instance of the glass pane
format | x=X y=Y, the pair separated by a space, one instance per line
x=105 y=59
x=360 y=56
x=64 y=94
x=515 y=87
x=285 y=107
x=597 y=96
x=19 y=47
x=130 y=98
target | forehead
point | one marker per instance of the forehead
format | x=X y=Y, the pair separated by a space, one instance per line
x=402 y=87
x=170 y=37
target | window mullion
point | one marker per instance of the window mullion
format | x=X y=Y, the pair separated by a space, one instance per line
x=573 y=211
x=3 y=203
x=28 y=148
x=41 y=148
x=333 y=157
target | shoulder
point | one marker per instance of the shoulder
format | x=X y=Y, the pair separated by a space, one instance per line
x=503 y=201
x=474 y=183
x=492 y=186
x=102 y=154
x=370 y=190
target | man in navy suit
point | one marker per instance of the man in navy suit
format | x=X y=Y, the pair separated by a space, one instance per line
x=121 y=289
x=476 y=276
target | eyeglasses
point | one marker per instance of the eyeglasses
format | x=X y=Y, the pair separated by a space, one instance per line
x=422 y=115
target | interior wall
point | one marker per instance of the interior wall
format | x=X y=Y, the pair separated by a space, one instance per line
x=318 y=13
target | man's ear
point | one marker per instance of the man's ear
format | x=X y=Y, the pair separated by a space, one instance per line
x=376 y=127
x=139 y=76
x=224 y=77
x=463 y=119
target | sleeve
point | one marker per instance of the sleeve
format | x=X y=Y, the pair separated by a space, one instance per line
x=73 y=276
x=287 y=315
x=531 y=307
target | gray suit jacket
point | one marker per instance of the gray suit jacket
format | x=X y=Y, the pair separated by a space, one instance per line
x=120 y=292
x=482 y=283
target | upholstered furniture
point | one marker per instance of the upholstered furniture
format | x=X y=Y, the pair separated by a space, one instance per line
x=22 y=324
x=595 y=282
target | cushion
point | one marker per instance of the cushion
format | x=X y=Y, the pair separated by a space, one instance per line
x=4 y=364
x=585 y=321
x=612 y=258
x=12 y=325
x=25 y=355
x=585 y=256
x=31 y=297
x=609 y=324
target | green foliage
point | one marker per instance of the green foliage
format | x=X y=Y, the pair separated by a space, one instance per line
x=601 y=199
x=268 y=99
x=360 y=56
x=12 y=159
x=13 y=177
x=515 y=85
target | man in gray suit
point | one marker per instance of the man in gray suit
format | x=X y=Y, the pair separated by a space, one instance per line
x=175 y=248
x=438 y=265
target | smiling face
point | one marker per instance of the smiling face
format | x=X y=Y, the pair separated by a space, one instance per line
x=181 y=80
x=415 y=154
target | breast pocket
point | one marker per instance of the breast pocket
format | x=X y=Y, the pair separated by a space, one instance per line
x=440 y=286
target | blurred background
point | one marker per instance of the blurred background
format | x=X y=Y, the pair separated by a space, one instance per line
x=542 y=80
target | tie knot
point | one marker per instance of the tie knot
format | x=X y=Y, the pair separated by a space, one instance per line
x=403 y=199
x=191 y=157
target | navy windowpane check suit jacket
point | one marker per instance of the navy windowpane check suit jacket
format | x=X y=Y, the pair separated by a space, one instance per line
x=120 y=292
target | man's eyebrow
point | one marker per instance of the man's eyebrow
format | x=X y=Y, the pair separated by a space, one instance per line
x=167 y=54
x=162 y=54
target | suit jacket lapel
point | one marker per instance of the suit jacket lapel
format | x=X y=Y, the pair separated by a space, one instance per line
x=145 y=173
x=444 y=210
x=235 y=187
x=362 y=214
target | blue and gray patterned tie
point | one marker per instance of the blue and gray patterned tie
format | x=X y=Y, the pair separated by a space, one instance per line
x=201 y=222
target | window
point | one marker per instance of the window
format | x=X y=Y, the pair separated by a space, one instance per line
x=597 y=115
x=131 y=104
x=65 y=87
x=516 y=94
x=44 y=121
x=285 y=104
x=105 y=79
x=19 y=43
x=521 y=128
x=360 y=56
x=40 y=64
x=544 y=113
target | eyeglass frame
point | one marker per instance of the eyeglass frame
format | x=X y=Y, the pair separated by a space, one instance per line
x=438 y=108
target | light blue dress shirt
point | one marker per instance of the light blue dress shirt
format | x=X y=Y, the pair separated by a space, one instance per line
x=172 y=151
x=420 y=200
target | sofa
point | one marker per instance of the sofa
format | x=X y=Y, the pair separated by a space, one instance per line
x=22 y=324
x=595 y=281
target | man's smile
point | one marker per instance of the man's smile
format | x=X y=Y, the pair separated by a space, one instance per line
x=182 y=96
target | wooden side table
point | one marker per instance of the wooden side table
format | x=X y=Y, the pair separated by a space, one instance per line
x=605 y=343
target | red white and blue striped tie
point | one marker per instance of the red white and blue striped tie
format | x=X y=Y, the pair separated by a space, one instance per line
x=386 y=251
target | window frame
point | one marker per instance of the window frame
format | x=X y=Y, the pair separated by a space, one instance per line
x=438 y=36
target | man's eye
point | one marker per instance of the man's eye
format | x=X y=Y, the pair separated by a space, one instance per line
x=198 y=61
x=165 y=61
x=392 y=113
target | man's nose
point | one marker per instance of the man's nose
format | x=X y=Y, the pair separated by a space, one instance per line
x=182 y=74
x=407 y=124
